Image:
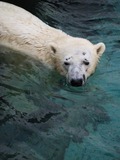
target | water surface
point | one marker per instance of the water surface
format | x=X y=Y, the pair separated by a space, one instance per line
x=43 y=118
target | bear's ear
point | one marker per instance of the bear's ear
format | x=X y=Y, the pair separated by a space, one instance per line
x=53 y=48
x=100 y=48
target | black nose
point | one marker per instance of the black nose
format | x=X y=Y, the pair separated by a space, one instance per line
x=76 y=82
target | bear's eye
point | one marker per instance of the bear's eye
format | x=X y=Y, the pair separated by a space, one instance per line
x=84 y=53
x=66 y=63
x=86 y=63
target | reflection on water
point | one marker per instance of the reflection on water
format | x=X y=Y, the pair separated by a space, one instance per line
x=41 y=117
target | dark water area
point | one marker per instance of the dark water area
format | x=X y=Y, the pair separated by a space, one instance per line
x=43 y=118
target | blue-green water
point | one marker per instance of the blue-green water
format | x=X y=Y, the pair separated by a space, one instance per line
x=41 y=117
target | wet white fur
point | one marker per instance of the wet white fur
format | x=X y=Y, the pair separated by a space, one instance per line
x=23 y=32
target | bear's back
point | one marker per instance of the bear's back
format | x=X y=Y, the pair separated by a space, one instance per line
x=17 y=20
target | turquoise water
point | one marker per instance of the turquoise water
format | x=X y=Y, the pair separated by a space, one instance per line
x=43 y=118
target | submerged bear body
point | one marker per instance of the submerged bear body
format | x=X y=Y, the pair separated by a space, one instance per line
x=76 y=58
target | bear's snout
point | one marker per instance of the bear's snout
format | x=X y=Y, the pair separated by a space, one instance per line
x=76 y=76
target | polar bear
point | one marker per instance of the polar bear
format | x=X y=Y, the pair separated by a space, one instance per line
x=76 y=58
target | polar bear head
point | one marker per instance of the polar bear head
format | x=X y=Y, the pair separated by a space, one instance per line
x=77 y=58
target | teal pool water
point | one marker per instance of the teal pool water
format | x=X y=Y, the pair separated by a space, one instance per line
x=43 y=118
